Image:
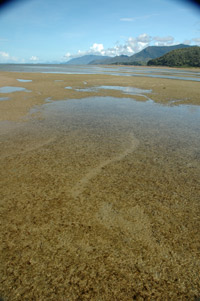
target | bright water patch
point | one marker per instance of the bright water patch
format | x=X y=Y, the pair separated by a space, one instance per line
x=48 y=99
x=148 y=115
x=4 y=98
x=125 y=90
x=9 y=89
x=24 y=80
x=68 y=88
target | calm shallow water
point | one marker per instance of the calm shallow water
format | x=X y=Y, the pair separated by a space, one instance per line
x=113 y=183
x=4 y=98
x=125 y=90
x=10 y=89
x=122 y=114
x=24 y=80
x=122 y=71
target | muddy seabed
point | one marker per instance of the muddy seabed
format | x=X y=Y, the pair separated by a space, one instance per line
x=99 y=195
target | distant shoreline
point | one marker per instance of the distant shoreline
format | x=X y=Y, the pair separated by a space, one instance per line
x=87 y=65
x=136 y=71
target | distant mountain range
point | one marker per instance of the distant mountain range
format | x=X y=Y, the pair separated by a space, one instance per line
x=140 y=58
x=86 y=59
x=110 y=60
x=185 y=57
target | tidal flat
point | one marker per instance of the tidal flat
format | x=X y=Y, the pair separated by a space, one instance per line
x=99 y=188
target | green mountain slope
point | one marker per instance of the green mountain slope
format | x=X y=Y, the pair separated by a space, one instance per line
x=109 y=60
x=85 y=60
x=152 y=52
x=140 y=58
x=186 y=57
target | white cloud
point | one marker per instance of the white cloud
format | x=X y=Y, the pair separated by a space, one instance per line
x=130 y=46
x=132 y=19
x=98 y=48
x=196 y=41
x=34 y=58
x=4 y=54
x=136 y=44
x=5 y=57
x=144 y=38
x=163 y=41
x=187 y=42
x=67 y=55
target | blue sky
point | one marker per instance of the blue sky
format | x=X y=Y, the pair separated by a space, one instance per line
x=56 y=30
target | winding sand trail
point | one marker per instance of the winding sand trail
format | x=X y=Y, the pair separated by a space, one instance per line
x=38 y=145
x=82 y=183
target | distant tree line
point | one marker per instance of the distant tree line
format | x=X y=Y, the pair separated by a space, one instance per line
x=134 y=63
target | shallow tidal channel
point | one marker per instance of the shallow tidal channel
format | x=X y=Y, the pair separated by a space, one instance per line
x=100 y=197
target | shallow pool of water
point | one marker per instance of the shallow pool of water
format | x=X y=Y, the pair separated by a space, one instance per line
x=125 y=90
x=124 y=114
x=111 y=181
x=10 y=89
x=24 y=80
x=4 y=98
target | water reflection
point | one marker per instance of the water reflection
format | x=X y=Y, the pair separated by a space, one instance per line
x=125 y=90
x=4 y=98
x=9 y=89
x=128 y=112
x=24 y=80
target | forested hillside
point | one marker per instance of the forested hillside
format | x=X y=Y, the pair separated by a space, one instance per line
x=185 y=57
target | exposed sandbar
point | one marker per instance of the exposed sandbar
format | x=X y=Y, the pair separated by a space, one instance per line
x=44 y=86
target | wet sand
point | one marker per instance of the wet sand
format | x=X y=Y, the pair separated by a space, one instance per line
x=99 y=197
x=44 y=86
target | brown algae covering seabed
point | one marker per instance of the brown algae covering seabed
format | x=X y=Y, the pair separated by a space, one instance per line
x=98 y=205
